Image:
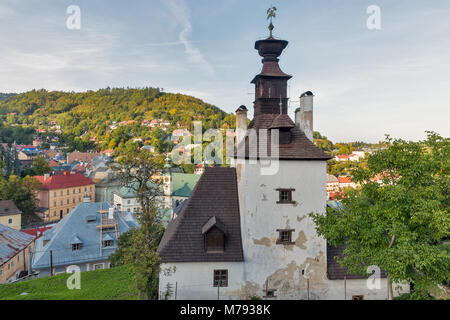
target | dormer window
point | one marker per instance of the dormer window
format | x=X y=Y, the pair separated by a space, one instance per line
x=107 y=243
x=213 y=233
x=76 y=246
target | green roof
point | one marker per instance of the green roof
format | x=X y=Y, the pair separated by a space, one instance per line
x=184 y=183
x=130 y=192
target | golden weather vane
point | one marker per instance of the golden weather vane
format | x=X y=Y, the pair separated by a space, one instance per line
x=270 y=15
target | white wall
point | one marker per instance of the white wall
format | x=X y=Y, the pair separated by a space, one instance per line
x=194 y=280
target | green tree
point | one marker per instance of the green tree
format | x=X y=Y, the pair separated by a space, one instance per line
x=400 y=225
x=138 y=248
x=40 y=166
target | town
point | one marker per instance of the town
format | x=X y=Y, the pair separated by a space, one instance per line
x=139 y=193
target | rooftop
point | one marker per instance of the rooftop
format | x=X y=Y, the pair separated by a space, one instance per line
x=65 y=180
x=12 y=242
x=7 y=208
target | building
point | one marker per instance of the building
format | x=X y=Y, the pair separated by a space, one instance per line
x=178 y=187
x=15 y=248
x=10 y=215
x=63 y=191
x=332 y=185
x=347 y=157
x=86 y=237
x=346 y=182
x=245 y=231
x=24 y=154
x=81 y=156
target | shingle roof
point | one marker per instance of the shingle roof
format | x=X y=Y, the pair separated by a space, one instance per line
x=215 y=194
x=66 y=180
x=7 y=208
x=12 y=241
x=299 y=148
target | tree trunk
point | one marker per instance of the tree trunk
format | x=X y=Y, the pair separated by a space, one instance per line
x=390 y=293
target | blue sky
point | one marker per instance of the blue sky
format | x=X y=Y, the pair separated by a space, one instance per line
x=367 y=82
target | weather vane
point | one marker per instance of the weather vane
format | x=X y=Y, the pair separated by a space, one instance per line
x=270 y=15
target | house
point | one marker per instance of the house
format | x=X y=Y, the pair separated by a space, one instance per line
x=27 y=154
x=86 y=238
x=332 y=184
x=347 y=157
x=81 y=156
x=63 y=191
x=15 y=248
x=178 y=187
x=245 y=231
x=346 y=182
x=10 y=215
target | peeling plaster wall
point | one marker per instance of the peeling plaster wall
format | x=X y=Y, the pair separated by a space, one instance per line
x=283 y=267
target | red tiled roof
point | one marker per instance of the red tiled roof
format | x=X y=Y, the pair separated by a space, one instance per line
x=66 y=180
x=345 y=179
x=38 y=232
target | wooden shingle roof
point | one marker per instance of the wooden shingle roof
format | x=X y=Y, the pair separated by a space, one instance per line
x=215 y=195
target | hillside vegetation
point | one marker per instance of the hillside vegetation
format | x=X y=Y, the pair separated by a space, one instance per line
x=107 y=284
x=86 y=117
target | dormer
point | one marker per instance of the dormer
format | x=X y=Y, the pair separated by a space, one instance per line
x=284 y=124
x=214 y=233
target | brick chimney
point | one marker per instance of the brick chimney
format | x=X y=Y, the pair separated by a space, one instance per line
x=304 y=114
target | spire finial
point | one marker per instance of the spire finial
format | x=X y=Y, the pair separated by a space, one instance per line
x=270 y=15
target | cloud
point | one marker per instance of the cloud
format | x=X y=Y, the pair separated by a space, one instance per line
x=181 y=13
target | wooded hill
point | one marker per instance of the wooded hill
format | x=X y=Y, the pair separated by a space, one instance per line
x=83 y=116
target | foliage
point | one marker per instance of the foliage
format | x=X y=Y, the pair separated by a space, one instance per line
x=401 y=224
x=86 y=115
x=138 y=248
x=22 y=191
x=107 y=284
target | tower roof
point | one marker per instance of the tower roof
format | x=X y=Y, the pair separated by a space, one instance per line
x=270 y=49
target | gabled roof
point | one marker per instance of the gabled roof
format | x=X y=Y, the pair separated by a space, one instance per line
x=12 y=241
x=7 y=208
x=299 y=148
x=65 y=180
x=74 y=228
x=211 y=223
x=216 y=194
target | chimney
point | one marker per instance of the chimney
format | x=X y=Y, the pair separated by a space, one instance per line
x=304 y=114
x=46 y=176
x=241 y=123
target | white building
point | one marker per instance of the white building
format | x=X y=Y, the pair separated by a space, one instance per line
x=245 y=230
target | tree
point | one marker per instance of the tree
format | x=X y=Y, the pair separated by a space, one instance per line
x=40 y=166
x=138 y=247
x=401 y=224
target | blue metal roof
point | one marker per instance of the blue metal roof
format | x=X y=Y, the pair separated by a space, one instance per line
x=12 y=241
x=75 y=225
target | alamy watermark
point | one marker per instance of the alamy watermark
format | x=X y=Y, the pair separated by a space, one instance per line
x=73 y=22
x=374 y=19
x=74 y=281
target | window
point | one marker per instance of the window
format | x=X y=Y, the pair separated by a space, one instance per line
x=68 y=210
x=73 y=191
x=68 y=201
x=107 y=243
x=54 y=203
x=358 y=297
x=10 y=221
x=61 y=193
x=68 y=191
x=98 y=266
x=214 y=241
x=61 y=202
x=285 y=195
x=1 y=272
x=220 y=278
x=285 y=236
x=54 y=194
x=76 y=246
x=79 y=190
x=128 y=201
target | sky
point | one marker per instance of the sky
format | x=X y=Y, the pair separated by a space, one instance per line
x=367 y=83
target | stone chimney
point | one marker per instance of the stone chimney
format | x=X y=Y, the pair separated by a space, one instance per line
x=304 y=114
x=241 y=123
